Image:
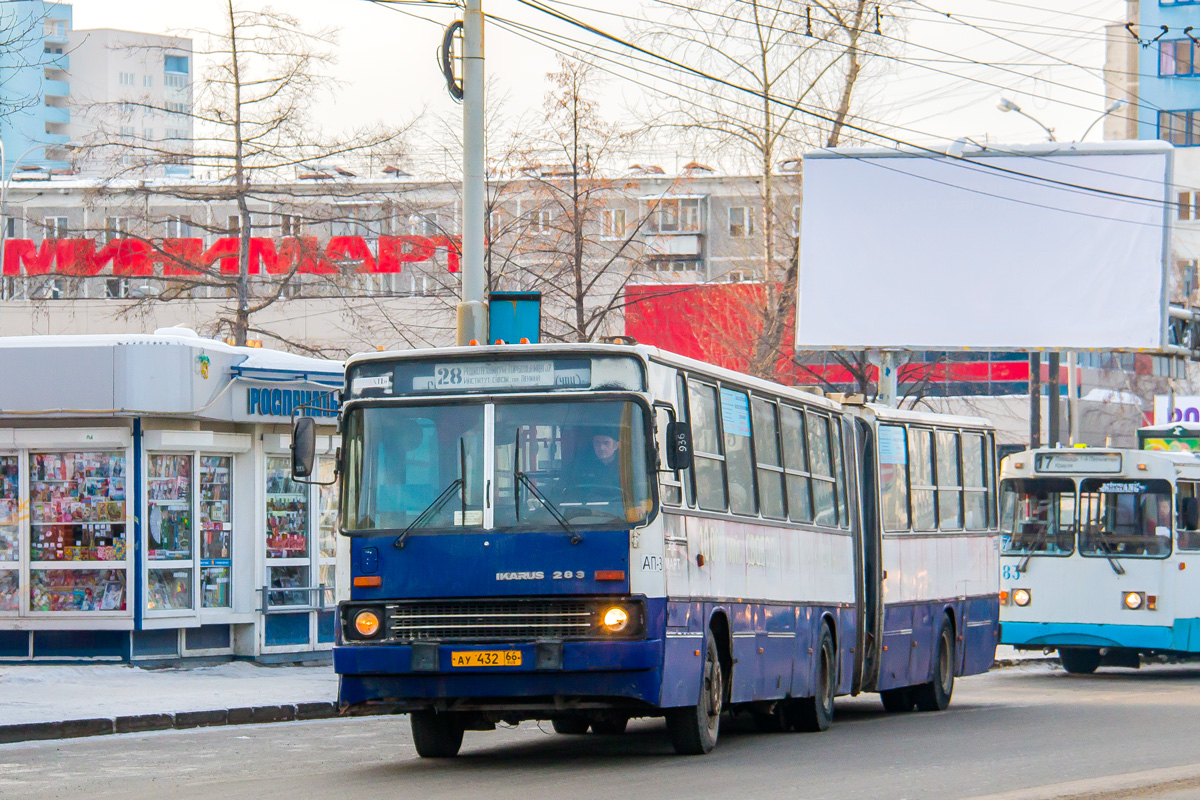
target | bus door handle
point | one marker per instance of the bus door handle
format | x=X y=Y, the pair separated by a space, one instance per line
x=487 y=494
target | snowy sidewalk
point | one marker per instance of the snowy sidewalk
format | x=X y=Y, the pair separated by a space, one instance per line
x=52 y=701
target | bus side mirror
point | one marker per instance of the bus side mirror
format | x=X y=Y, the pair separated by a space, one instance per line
x=304 y=447
x=1190 y=513
x=679 y=445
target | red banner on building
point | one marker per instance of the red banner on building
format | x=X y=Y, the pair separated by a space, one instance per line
x=183 y=257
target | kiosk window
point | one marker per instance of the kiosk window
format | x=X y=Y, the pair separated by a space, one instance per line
x=216 y=531
x=949 y=482
x=10 y=541
x=169 y=532
x=795 y=455
x=920 y=468
x=770 y=464
x=708 y=464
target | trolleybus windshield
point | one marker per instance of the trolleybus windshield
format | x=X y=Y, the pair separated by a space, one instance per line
x=1038 y=516
x=423 y=468
x=1124 y=517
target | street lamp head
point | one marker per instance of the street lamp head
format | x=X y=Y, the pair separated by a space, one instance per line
x=1115 y=105
x=1008 y=105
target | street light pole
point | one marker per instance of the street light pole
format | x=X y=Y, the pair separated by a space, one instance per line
x=472 y=310
x=1115 y=105
x=1008 y=105
x=5 y=179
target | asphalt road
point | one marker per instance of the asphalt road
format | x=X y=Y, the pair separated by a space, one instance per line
x=1006 y=733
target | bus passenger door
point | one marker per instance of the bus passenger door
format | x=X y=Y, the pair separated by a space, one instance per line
x=670 y=493
x=869 y=544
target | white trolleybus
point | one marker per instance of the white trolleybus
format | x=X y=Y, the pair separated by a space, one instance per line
x=590 y=533
x=1095 y=546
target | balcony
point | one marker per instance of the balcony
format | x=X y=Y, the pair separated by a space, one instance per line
x=56 y=61
x=675 y=244
x=56 y=88
x=56 y=115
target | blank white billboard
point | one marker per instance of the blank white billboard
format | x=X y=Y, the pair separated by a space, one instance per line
x=1055 y=246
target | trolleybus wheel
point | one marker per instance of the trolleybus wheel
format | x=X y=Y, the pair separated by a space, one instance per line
x=935 y=695
x=694 y=729
x=816 y=713
x=570 y=726
x=609 y=725
x=897 y=701
x=1079 y=660
x=436 y=735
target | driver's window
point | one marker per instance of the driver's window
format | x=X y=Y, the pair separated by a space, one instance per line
x=670 y=487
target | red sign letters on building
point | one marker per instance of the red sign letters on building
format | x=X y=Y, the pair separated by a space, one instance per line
x=183 y=257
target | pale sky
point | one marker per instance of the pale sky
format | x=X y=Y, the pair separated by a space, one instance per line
x=386 y=65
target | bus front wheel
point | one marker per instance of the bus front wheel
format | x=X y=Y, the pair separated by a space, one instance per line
x=436 y=735
x=694 y=729
x=1079 y=660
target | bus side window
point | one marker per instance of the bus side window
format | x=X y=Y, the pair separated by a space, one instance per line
x=839 y=473
x=795 y=459
x=892 y=454
x=989 y=477
x=709 y=463
x=1186 y=495
x=920 y=466
x=767 y=455
x=949 y=481
x=739 y=461
x=824 y=504
x=670 y=488
x=975 y=491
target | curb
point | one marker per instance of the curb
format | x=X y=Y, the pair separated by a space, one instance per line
x=182 y=720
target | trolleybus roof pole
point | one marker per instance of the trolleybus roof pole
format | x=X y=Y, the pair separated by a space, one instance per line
x=472 y=310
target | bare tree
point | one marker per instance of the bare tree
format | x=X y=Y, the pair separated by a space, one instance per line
x=253 y=133
x=797 y=69
x=21 y=52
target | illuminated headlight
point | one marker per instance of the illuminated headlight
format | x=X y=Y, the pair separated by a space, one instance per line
x=366 y=623
x=1135 y=600
x=1021 y=597
x=615 y=619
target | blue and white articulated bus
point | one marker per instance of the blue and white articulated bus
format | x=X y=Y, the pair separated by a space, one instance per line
x=591 y=533
x=1095 y=549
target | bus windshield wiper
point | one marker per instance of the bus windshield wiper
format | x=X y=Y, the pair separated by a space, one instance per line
x=1102 y=547
x=521 y=479
x=1039 y=539
x=439 y=501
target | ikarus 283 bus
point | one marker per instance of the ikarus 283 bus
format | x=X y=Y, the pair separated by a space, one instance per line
x=1101 y=555
x=592 y=533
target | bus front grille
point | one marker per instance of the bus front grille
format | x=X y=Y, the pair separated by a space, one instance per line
x=490 y=620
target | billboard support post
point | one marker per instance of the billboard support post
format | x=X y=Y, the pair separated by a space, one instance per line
x=1035 y=400
x=1054 y=400
x=889 y=366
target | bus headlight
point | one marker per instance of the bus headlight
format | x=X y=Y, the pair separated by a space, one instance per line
x=615 y=619
x=366 y=623
x=1022 y=597
x=1135 y=600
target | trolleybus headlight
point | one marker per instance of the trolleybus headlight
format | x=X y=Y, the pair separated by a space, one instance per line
x=615 y=619
x=366 y=623
x=1021 y=597
x=1134 y=600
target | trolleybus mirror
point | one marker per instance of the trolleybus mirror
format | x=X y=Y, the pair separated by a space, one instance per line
x=1191 y=513
x=304 y=447
x=679 y=445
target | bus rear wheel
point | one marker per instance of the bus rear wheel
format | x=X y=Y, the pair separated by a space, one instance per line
x=816 y=713
x=436 y=735
x=1079 y=660
x=694 y=729
x=935 y=695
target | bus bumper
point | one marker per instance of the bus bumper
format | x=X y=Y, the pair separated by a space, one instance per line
x=1179 y=637
x=406 y=677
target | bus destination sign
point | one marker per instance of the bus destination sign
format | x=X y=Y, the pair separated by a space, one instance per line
x=1074 y=461
x=469 y=376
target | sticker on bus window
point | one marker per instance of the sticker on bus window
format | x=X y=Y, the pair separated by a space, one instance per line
x=735 y=412
x=891 y=445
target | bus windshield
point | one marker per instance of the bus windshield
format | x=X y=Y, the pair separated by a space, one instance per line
x=1125 y=517
x=423 y=468
x=1038 y=516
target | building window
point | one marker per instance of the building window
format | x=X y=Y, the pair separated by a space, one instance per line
x=1188 y=207
x=796 y=220
x=116 y=288
x=540 y=221
x=148 y=133
x=233 y=224
x=55 y=227
x=290 y=225
x=672 y=265
x=14 y=227
x=128 y=130
x=741 y=221
x=173 y=80
x=1187 y=276
x=115 y=228
x=178 y=108
x=612 y=223
x=178 y=228
x=1180 y=128
x=675 y=216
x=147 y=82
x=177 y=64
x=1176 y=57
x=126 y=78
x=175 y=133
